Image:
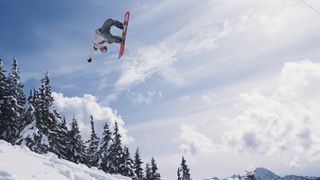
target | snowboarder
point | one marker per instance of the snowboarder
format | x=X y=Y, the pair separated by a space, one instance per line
x=102 y=37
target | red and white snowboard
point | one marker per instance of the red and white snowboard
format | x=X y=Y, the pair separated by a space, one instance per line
x=124 y=33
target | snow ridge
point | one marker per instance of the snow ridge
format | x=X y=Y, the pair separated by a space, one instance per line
x=19 y=163
x=265 y=174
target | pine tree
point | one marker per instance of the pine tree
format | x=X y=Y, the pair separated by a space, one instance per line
x=2 y=81
x=47 y=118
x=45 y=112
x=29 y=114
x=103 y=149
x=154 y=174
x=138 y=174
x=12 y=107
x=179 y=174
x=43 y=128
x=148 y=172
x=11 y=125
x=16 y=90
x=76 y=147
x=2 y=101
x=126 y=165
x=92 y=148
x=183 y=171
x=116 y=151
x=59 y=144
x=31 y=135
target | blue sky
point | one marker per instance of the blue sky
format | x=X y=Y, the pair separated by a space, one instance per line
x=231 y=85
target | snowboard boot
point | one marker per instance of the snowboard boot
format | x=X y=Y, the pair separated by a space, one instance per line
x=119 y=40
x=121 y=26
x=89 y=60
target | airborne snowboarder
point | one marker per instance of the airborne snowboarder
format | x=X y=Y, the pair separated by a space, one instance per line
x=102 y=37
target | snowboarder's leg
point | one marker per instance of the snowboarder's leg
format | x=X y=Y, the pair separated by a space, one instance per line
x=108 y=24
x=105 y=30
x=118 y=24
x=112 y=39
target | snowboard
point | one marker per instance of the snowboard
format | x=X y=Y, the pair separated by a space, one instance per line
x=124 y=33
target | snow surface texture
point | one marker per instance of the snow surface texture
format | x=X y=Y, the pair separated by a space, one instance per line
x=19 y=163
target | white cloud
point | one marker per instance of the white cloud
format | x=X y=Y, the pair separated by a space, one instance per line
x=208 y=97
x=83 y=107
x=184 y=98
x=144 y=98
x=193 y=141
x=146 y=62
x=159 y=57
x=298 y=80
x=284 y=124
x=200 y=35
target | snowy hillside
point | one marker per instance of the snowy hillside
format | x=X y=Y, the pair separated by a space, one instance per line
x=19 y=163
x=262 y=173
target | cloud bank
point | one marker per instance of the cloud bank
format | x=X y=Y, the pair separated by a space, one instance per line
x=83 y=107
x=284 y=123
x=193 y=141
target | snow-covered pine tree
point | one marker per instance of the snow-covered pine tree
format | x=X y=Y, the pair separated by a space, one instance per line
x=183 y=171
x=36 y=134
x=47 y=117
x=44 y=111
x=92 y=147
x=154 y=168
x=13 y=105
x=75 y=145
x=10 y=123
x=116 y=151
x=15 y=87
x=138 y=171
x=30 y=136
x=126 y=166
x=49 y=121
x=148 y=174
x=44 y=130
x=103 y=149
x=2 y=99
x=59 y=145
x=179 y=174
x=28 y=116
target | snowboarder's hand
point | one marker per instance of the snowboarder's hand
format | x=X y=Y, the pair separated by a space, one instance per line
x=89 y=59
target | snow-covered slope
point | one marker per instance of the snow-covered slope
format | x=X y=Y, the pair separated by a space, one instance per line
x=262 y=173
x=19 y=163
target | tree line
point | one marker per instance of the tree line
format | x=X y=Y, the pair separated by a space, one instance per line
x=35 y=122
